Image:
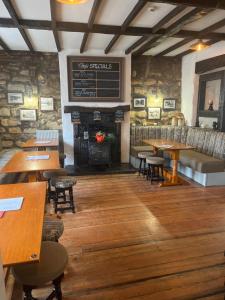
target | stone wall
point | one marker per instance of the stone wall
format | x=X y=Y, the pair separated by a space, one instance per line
x=155 y=78
x=35 y=75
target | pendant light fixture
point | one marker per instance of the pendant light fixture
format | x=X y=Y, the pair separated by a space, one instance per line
x=71 y=1
x=200 y=45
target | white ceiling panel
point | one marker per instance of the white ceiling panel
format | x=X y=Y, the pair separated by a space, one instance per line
x=13 y=39
x=213 y=17
x=3 y=11
x=74 y=13
x=125 y=41
x=164 y=45
x=98 y=41
x=221 y=30
x=32 y=9
x=178 y=16
x=151 y=14
x=114 y=12
x=42 y=40
x=70 y=40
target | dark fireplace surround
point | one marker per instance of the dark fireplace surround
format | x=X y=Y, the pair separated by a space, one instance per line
x=89 y=153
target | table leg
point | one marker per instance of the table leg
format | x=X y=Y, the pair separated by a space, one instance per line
x=173 y=179
x=33 y=176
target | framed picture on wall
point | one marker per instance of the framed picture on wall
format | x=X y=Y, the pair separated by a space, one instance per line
x=28 y=115
x=139 y=102
x=169 y=104
x=15 y=98
x=154 y=113
x=46 y=104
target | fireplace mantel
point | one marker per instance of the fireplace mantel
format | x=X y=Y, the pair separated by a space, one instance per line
x=80 y=108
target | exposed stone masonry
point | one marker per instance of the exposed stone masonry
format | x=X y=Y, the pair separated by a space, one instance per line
x=155 y=78
x=35 y=75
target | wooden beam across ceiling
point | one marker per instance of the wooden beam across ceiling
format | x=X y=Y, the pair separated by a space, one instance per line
x=3 y=45
x=104 y=29
x=156 y=28
x=132 y=15
x=54 y=29
x=15 y=20
x=219 y=4
x=176 y=26
x=91 y=20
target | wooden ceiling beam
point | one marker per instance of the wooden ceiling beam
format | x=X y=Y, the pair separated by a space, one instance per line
x=91 y=20
x=196 y=3
x=156 y=28
x=106 y=29
x=205 y=31
x=4 y=46
x=176 y=26
x=132 y=15
x=15 y=20
x=54 y=29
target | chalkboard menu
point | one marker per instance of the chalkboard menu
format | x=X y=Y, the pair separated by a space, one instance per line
x=95 y=79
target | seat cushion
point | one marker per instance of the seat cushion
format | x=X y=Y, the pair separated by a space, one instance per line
x=52 y=229
x=63 y=182
x=136 y=149
x=145 y=154
x=53 y=260
x=155 y=160
x=201 y=162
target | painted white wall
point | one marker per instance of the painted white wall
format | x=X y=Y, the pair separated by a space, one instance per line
x=66 y=118
x=190 y=80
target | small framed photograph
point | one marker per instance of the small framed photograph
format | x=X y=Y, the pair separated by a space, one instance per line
x=154 y=113
x=46 y=104
x=28 y=115
x=169 y=104
x=139 y=102
x=15 y=98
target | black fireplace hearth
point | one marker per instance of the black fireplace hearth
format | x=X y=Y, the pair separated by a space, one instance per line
x=87 y=152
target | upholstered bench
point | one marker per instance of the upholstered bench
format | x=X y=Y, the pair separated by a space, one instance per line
x=205 y=164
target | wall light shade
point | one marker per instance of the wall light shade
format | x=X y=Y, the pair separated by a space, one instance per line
x=200 y=45
x=72 y=1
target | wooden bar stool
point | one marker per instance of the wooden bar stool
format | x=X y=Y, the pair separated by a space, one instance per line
x=63 y=199
x=53 y=261
x=142 y=156
x=155 y=167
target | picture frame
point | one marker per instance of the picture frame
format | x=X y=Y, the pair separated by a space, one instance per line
x=46 y=104
x=28 y=115
x=169 y=104
x=139 y=102
x=154 y=113
x=15 y=98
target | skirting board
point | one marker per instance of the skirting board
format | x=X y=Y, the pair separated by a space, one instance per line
x=205 y=179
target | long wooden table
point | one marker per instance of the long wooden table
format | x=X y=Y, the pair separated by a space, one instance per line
x=19 y=164
x=21 y=231
x=173 y=148
x=34 y=143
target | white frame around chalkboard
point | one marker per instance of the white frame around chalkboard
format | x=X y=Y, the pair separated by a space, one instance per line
x=85 y=59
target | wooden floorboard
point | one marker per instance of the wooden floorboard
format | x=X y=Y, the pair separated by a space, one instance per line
x=133 y=241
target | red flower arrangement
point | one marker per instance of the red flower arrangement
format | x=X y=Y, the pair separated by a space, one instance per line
x=100 y=137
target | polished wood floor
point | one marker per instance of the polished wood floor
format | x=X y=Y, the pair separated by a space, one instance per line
x=131 y=240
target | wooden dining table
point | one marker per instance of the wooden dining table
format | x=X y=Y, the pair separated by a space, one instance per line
x=20 y=163
x=21 y=230
x=40 y=144
x=174 y=149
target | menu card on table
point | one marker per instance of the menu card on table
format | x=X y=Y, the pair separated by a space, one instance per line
x=37 y=157
x=8 y=204
x=42 y=142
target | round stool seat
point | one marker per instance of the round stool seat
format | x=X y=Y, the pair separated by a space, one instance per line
x=53 y=260
x=144 y=154
x=63 y=182
x=155 y=160
x=51 y=174
x=52 y=229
